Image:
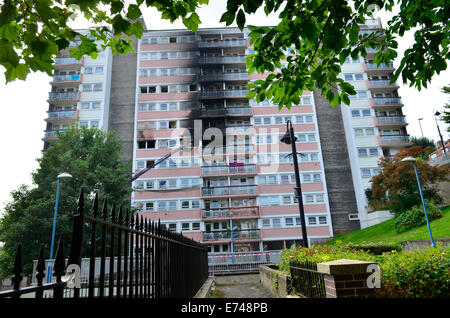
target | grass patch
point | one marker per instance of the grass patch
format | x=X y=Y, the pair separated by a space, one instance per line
x=385 y=232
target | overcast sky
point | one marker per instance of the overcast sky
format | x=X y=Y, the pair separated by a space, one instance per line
x=23 y=104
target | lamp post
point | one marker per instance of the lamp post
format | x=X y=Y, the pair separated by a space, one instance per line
x=413 y=160
x=436 y=114
x=50 y=265
x=289 y=138
x=420 y=126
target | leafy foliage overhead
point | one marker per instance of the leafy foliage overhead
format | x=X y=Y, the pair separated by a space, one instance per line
x=314 y=37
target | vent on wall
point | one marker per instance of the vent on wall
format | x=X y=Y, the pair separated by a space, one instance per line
x=353 y=216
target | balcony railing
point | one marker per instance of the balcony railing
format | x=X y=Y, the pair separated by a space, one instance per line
x=223 y=76
x=62 y=114
x=226 y=111
x=251 y=211
x=391 y=119
x=52 y=133
x=59 y=78
x=230 y=169
x=221 y=59
x=220 y=43
x=224 y=93
x=387 y=100
x=66 y=60
x=230 y=190
x=370 y=66
x=382 y=83
x=226 y=235
x=393 y=139
x=228 y=150
x=65 y=95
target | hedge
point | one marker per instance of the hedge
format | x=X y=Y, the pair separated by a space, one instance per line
x=420 y=273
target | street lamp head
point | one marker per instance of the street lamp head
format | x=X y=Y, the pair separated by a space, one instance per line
x=420 y=118
x=64 y=175
x=287 y=138
x=411 y=159
x=437 y=113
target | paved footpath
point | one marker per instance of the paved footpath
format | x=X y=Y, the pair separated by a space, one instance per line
x=240 y=286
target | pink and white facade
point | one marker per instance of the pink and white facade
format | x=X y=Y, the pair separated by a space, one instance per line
x=242 y=199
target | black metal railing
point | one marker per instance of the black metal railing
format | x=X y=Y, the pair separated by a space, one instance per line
x=306 y=280
x=145 y=259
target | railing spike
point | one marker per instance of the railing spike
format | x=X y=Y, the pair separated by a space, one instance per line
x=59 y=267
x=95 y=206
x=127 y=217
x=105 y=209
x=113 y=213
x=80 y=208
x=18 y=268
x=137 y=222
x=119 y=221
x=142 y=223
x=40 y=267
x=131 y=220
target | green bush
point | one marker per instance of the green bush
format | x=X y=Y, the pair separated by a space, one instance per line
x=401 y=203
x=420 y=273
x=375 y=248
x=321 y=253
x=415 y=217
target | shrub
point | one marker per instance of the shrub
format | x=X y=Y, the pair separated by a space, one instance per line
x=415 y=217
x=321 y=253
x=375 y=248
x=420 y=273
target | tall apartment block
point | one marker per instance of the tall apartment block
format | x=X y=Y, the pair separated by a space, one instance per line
x=80 y=92
x=229 y=182
x=374 y=123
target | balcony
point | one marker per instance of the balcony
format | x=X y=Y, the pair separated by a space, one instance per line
x=382 y=84
x=239 y=190
x=52 y=134
x=62 y=115
x=230 y=150
x=391 y=121
x=223 y=43
x=226 y=235
x=237 y=212
x=387 y=101
x=223 y=77
x=64 y=78
x=395 y=140
x=234 y=169
x=68 y=63
x=224 y=94
x=382 y=68
x=64 y=95
x=221 y=59
x=219 y=112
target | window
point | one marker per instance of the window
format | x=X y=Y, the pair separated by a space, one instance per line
x=312 y=220
x=362 y=152
x=276 y=222
x=172 y=205
x=196 y=204
x=94 y=124
x=356 y=113
x=162 y=206
x=149 y=206
x=195 y=226
x=185 y=226
x=366 y=112
x=265 y=222
x=289 y=221
x=366 y=173
x=185 y=204
x=286 y=200
x=309 y=198
x=322 y=220
x=85 y=105
x=264 y=201
x=317 y=177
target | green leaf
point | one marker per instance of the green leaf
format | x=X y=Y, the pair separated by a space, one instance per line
x=19 y=71
x=134 y=12
x=192 y=22
x=240 y=19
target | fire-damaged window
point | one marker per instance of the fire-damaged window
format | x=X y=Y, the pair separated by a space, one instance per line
x=146 y=144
